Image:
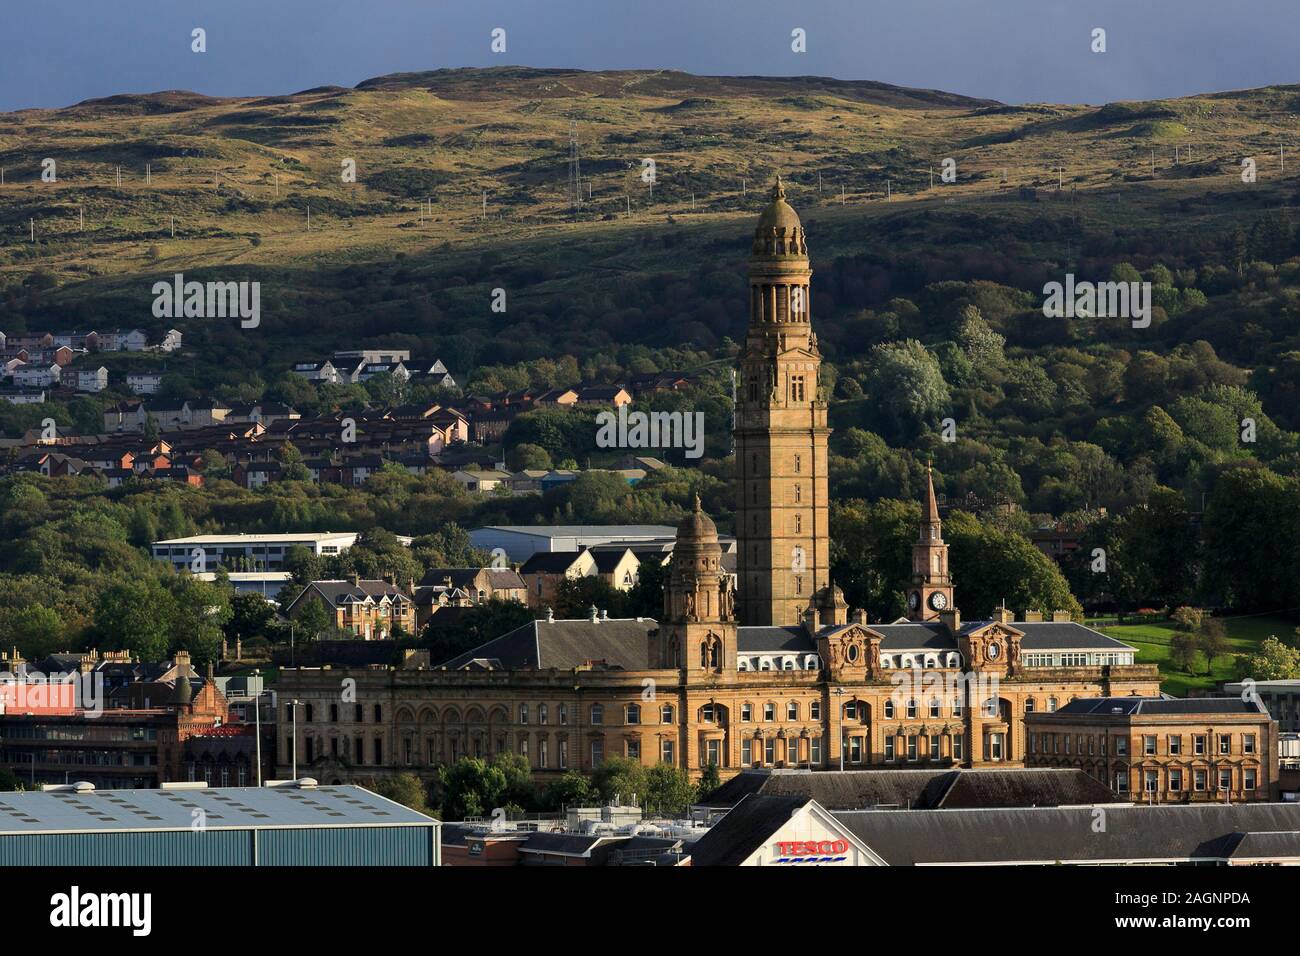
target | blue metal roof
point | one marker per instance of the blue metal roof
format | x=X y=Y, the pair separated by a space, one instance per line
x=289 y=806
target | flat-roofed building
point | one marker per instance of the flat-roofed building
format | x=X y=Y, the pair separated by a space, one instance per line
x=247 y=552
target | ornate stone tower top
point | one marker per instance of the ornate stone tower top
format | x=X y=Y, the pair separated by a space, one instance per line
x=781 y=432
x=698 y=588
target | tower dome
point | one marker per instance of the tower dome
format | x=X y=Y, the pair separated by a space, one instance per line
x=779 y=233
x=697 y=527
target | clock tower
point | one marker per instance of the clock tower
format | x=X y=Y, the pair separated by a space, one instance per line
x=930 y=593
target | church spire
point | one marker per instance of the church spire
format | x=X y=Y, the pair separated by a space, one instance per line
x=931 y=516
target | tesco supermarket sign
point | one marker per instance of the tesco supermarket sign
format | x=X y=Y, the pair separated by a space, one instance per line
x=811 y=851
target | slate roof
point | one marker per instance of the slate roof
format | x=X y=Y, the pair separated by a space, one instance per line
x=564 y=645
x=337 y=592
x=549 y=562
x=771 y=639
x=1160 y=706
x=1068 y=834
x=744 y=829
x=918 y=789
x=607 y=560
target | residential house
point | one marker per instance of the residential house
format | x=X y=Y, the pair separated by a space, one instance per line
x=482 y=481
x=123 y=340
x=23 y=396
x=545 y=570
x=37 y=376
x=615 y=395
x=319 y=372
x=144 y=383
x=369 y=610
x=86 y=379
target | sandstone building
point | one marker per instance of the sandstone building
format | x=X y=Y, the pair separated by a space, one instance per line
x=776 y=672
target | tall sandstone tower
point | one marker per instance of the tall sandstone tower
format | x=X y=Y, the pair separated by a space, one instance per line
x=781 y=434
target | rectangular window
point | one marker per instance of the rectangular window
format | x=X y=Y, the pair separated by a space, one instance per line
x=1198 y=779
x=957 y=746
x=1149 y=745
x=1175 y=780
x=792 y=751
x=769 y=751
x=713 y=751
x=746 y=713
x=769 y=711
x=1225 y=779
x=934 y=707
x=1175 y=745
x=911 y=746
x=995 y=746
x=634 y=750
x=1248 y=779
x=855 y=750
x=815 y=710
x=746 y=751
x=1198 y=745
x=796 y=388
x=1225 y=743
x=792 y=711
x=379 y=751
x=668 y=753
x=1121 y=746
x=1248 y=743
x=597 y=753
x=934 y=746
x=1151 y=781
x=543 y=755
x=1121 y=782
x=815 y=751
x=889 y=747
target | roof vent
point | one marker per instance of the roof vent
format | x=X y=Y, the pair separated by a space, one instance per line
x=81 y=786
x=184 y=785
x=307 y=783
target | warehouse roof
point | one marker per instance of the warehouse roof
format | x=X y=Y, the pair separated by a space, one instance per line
x=223 y=808
x=1209 y=832
x=918 y=789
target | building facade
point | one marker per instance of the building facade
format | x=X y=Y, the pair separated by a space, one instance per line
x=1159 y=750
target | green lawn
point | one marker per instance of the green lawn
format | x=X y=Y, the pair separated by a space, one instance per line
x=1152 y=641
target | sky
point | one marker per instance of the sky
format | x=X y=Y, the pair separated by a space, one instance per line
x=59 y=52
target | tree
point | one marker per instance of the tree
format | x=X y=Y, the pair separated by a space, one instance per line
x=37 y=630
x=474 y=626
x=620 y=779
x=1274 y=661
x=404 y=788
x=1182 y=652
x=136 y=616
x=9 y=781
x=527 y=456
x=471 y=787
x=906 y=390
x=571 y=790
x=251 y=615
x=710 y=781
x=1212 y=639
x=313 y=619
x=519 y=789
x=669 y=791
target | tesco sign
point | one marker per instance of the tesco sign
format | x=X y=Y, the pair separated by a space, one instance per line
x=811 y=851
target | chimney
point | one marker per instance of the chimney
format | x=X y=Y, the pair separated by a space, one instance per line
x=1033 y=617
x=857 y=616
x=355 y=579
x=1002 y=615
x=951 y=619
x=1061 y=616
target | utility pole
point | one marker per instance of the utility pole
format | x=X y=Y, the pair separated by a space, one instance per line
x=277 y=185
x=744 y=194
x=485 y=205
x=1060 y=178
x=931 y=177
x=888 y=189
x=575 y=168
x=119 y=177
x=1282 y=156
x=842 y=200
x=692 y=202
x=628 y=197
x=819 y=182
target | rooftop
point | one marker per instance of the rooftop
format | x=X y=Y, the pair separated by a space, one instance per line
x=69 y=811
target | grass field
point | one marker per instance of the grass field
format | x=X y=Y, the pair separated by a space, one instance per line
x=1152 y=641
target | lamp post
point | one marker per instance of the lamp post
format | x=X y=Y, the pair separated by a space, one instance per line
x=293 y=740
x=839 y=693
x=257 y=721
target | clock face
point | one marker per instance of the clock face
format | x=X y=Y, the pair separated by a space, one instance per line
x=913 y=600
x=938 y=600
x=994 y=651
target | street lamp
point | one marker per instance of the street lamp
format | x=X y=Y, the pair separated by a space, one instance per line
x=293 y=740
x=839 y=692
x=257 y=720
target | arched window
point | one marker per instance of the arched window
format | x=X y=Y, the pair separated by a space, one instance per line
x=666 y=714
x=889 y=708
x=911 y=707
x=990 y=707
x=1051 y=705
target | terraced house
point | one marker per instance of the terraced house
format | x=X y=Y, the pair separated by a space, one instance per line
x=789 y=677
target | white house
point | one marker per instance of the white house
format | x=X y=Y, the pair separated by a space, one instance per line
x=37 y=376
x=318 y=372
x=124 y=340
x=171 y=341
x=144 y=383
x=86 y=379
